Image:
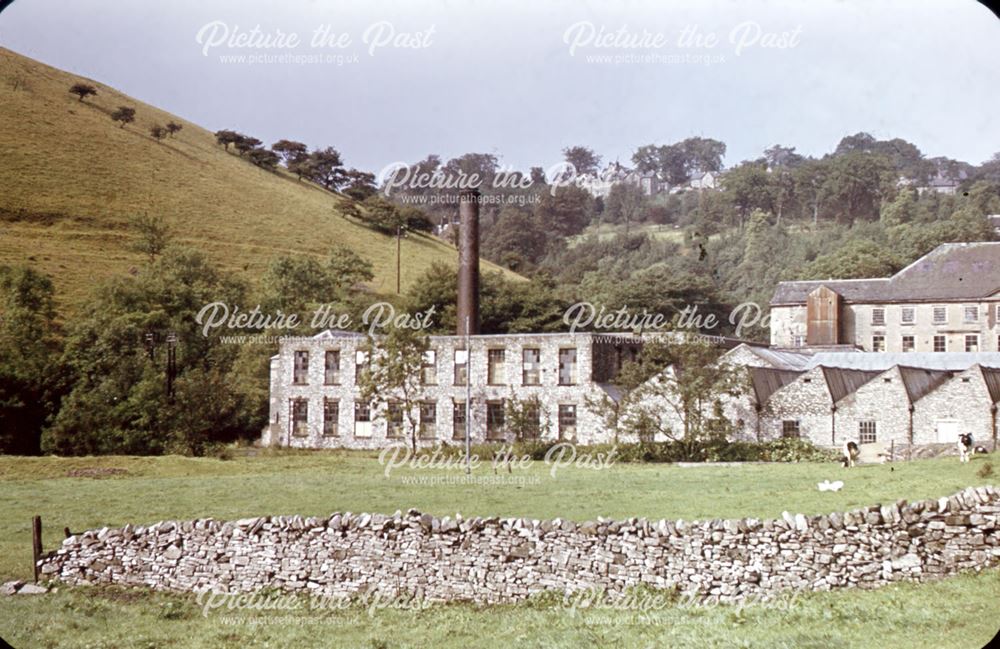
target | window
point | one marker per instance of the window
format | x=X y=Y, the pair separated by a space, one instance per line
x=808 y=380
x=461 y=366
x=940 y=344
x=428 y=419
x=790 y=428
x=428 y=368
x=362 y=419
x=532 y=420
x=567 y=366
x=878 y=316
x=972 y=343
x=300 y=373
x=878 y=343
x=866 y=432
x=971 y=312
x=393 y=419
x=909 y=343
x=300 y=417
x=494 y=366
x=331 y=417
x=907 y=315
x=494 y=420
x=361 y=359
x=458 y=418
x=531 y=366
x=567 y=421
x=887 y=380
x=331 y=370
x=798 y=341
x=940 y=315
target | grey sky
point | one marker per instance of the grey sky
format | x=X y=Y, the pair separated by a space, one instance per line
x=499 y=77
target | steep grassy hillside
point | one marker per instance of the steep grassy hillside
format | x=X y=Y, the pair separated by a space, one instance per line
x=70 y=178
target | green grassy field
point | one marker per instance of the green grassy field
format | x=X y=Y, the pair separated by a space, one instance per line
x=152 y=489
x=71 y=179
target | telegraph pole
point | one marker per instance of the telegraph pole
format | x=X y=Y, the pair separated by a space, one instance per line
x=468 y=398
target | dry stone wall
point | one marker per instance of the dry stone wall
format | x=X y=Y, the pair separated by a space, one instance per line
x=493 y=560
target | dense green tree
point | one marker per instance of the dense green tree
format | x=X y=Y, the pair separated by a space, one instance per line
x=855 y=186
x=854 y=260
x=32 y=379
x=565 y=210
x=517 y=236
x=116 y=351
x=583 y=159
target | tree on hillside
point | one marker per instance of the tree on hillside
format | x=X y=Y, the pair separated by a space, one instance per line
x=124 y=114
x=479 y=169
x=566 y=211
x=748 y=186
x=856 y=185
x=173 y=127
x=225 y=137
x=152 y=235
x=158 y=132
x=625 y=203
x=32 y=379
x=381 y=215
x=245 y=144
x=290 y=150
x=326 y=168
x=83 y=90
x=516 y=239
x=583 y=159
x=782 y=156
x=360 y=184
x=856 y=259
x=393 y=372
x=263 y=158
x=678 y=162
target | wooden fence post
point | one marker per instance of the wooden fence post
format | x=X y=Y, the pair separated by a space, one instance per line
x=36 y=543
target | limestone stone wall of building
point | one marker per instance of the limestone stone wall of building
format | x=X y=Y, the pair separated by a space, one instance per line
x=858 y=326
x=806 y=400
x=492 y=560
x=882 y=400
x=443 y=392
x=964 y=402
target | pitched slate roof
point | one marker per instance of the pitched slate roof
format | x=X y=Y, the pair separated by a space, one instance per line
x=766 y=381
x=952 y=271
x=781 y=359
x=992 y=378
x=920 y=382
x=843 y=382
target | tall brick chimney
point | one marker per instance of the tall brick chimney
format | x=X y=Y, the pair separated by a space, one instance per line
x=468 y=263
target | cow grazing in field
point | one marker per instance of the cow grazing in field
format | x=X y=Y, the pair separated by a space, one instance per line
x=851 y=453
x=964 y=447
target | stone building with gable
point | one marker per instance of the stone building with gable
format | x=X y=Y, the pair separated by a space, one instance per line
x=946 y=301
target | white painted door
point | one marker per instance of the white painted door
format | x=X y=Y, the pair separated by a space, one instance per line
x=948 y=430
